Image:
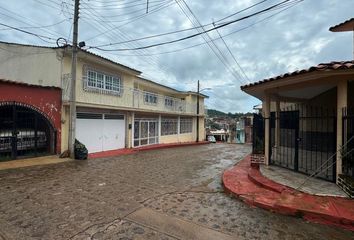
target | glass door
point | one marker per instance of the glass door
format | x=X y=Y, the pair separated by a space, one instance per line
x=145 y=132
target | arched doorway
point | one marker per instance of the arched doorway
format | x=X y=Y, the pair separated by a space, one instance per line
x=24 y=132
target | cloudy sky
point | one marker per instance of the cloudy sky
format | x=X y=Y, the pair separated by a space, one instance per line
x=291 y=36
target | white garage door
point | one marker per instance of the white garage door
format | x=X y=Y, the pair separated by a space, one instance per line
x=101 y=132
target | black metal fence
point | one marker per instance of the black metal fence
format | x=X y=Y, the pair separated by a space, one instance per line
x=305 y=140
x=24 y=133
x=348 y=142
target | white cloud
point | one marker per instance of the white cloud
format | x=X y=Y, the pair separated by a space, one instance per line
x=294 y=39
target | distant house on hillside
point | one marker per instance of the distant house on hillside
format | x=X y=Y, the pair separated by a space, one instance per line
x=244 y=129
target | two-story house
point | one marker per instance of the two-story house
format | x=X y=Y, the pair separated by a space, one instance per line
x=116 y=107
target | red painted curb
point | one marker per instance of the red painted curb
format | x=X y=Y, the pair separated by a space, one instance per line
x=169 y=145
x=248 y=184
x=257 y=178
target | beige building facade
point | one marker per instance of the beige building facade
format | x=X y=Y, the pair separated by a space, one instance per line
x=116 y=107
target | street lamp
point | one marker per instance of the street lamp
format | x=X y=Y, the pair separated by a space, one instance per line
x=198 y=92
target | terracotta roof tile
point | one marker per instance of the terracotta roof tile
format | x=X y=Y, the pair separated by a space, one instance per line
x=344 y=26
x=320 y=67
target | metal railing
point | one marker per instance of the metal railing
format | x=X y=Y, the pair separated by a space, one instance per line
x=134 y=98
x=348 y=133
x=330 y=162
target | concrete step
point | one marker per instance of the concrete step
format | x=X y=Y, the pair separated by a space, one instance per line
x=256 y=177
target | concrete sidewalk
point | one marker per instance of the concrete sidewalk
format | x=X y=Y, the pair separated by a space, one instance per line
x=28 y=162
x=125 y=151
x=248 y=184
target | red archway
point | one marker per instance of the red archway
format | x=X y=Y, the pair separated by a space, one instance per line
x=42 y=102
x=25 y=132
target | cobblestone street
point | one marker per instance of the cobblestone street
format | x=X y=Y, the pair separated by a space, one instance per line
x=159 y=194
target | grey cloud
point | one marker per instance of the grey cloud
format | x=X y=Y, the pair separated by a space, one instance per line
x=294 y=39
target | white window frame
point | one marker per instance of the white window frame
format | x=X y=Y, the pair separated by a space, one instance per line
x=169 y=102
x=150 y=98
x=185 y=125
x=145 y=126
x=169 y=126
x=99 y=81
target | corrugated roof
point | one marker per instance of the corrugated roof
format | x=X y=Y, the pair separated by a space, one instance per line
x=344 y=26
x=27 y=84
x=320 y=67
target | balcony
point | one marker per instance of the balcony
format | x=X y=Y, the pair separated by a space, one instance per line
x=126 y=97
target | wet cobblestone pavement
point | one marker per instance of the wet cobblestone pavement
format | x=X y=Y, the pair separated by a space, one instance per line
x=96 y=199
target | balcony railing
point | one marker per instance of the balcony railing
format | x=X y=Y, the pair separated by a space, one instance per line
x=127 y=97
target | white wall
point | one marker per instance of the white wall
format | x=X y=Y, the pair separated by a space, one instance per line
x=33 y=65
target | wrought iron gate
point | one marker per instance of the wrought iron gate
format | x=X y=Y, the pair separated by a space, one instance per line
x=348 y=135
x=306 y=139
x=24 y=133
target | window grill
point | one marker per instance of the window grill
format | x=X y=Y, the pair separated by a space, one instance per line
x=186 y=125
x=169 y=126
x=96 y=81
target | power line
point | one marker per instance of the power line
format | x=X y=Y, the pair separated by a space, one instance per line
x=114 y=7
x=105 y=16
x=19 y=18
x=45 y=26
x=154 y=36
x=226 y=35
x=42 y=37
x=182 y=30
x=233 y=56
x=196 y=34
x=130 y=20
x=121 y=35
x=242 y=10
x=218 y=53
x=109 y=2
x=232 y=70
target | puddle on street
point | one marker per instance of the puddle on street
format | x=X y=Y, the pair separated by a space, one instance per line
x=212 y=174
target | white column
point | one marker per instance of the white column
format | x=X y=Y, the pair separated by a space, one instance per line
x=266 y=114
x=277 y=123
x=342 y=102
x=133 y=119
x=178 y=127
x=159 y=126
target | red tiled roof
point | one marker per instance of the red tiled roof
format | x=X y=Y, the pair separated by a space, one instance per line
x=344 y=26
x=27 y=84
x=320 y=67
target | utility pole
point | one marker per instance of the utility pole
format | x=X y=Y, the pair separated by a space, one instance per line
x=72 y=124
x=198 y=113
